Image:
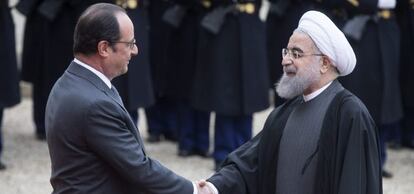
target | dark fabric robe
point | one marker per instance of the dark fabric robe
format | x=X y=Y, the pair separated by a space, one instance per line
x=375 y=79
x=9 y=79
x=348 y=153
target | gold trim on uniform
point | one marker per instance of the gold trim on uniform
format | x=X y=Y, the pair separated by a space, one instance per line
x=206 y=3
x=121 y=3
x=132 y=4
x=355 y=3
x=248 y=8
x=384 y=14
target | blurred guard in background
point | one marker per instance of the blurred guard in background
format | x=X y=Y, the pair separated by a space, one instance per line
x=135 y=87
x=9 y=81
x=231 y=76
x=405 y=16
x=184 y=20
x=162 y=116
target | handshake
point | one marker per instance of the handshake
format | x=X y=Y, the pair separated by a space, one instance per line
x=204 y=187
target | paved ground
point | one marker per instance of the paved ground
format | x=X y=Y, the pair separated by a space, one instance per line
x=29 y=164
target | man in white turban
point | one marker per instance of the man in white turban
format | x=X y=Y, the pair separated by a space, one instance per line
x=322 y=140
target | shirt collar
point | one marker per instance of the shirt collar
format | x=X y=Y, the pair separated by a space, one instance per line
x=315 y=93
x=96 y=72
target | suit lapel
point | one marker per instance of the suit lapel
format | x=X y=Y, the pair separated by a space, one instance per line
x=98 y=83
x=95 y=80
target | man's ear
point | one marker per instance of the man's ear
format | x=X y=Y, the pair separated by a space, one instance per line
x=326 y=63
x=103 y=48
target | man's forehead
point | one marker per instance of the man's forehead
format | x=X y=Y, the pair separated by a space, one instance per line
x=300 y=41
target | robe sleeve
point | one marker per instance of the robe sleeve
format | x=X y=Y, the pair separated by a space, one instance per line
x=238 y=174
x=360 y=172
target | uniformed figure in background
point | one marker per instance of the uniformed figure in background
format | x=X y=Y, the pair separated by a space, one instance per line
x=135 y=87
x=231 y=75
x=184 y=18
x=405 y=16
x=282 y=19
x=9 y=81
x=371 y=27
x=162 y=116
x=47 y=47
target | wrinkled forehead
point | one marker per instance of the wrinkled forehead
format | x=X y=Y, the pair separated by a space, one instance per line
x=301 y=41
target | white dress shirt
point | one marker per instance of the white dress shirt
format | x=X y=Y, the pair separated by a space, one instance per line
x=315 y=93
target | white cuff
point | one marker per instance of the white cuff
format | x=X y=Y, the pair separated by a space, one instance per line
x=212 y=187
x=386 y=4
x=195 y=190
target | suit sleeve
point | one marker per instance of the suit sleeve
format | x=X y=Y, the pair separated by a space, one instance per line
x=108 y=136
x=360 y=172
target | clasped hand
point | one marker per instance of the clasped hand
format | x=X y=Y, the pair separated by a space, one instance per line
x=203 y=187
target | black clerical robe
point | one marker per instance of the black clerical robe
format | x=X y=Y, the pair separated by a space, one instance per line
x=348 y=153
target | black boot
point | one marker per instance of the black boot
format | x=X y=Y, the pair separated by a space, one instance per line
x=2 y=166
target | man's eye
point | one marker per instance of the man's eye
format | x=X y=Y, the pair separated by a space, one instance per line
x=296 y=54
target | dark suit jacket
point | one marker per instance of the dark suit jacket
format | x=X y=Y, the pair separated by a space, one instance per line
x=94 y=145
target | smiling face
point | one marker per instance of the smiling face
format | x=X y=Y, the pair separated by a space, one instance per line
x=120 y=52
x=301 y=74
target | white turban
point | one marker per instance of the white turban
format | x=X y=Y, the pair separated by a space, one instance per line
x=329 y=39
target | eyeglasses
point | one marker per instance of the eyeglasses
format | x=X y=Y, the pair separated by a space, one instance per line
x=296 y=54
x=130 y=44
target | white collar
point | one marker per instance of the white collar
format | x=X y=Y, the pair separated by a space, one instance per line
x=315 y=93
x=96 y=72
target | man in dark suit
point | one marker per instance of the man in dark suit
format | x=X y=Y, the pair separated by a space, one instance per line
x=94 y=145
x=47 y=47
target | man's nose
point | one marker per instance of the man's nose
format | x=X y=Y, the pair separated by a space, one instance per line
x=135 y=50
x=286 y=60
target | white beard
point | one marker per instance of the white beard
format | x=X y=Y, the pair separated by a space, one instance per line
x=290 y=87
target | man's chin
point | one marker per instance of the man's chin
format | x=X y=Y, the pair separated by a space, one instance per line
x=283 y=92
x=125 y=70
